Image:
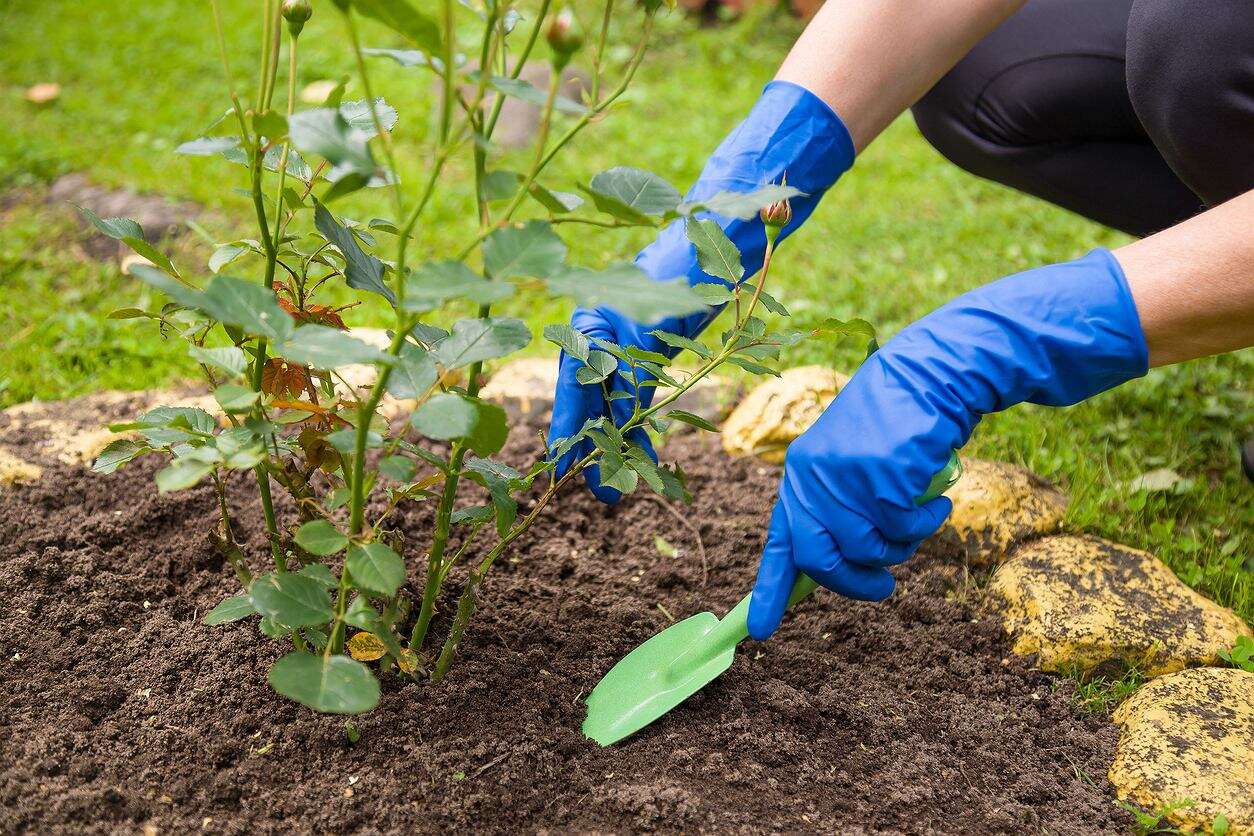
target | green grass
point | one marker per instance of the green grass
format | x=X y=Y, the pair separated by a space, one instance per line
x=903 y=232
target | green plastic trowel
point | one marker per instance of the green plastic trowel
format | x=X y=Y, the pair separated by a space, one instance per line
x=685 y=657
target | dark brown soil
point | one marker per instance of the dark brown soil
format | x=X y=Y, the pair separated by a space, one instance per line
x=121 y=712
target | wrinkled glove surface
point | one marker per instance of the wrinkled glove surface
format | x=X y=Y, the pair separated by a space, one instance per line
x=1054 y=336
x=790 y=132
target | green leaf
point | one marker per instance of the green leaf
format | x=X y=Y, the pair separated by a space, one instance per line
x=414 y=374
x=557 y=202
x=332 y=684
x=632 y=193
x=677 y=341
x=716 y=254
x=365 y=617
x=248 y=306
x=751 y=367
x=208 y=146
x=846 y=328
x=616 y=474
x=320 y=537
x=345 y=440
x=320 y=573
x=165 y=425
x=119 y=452
x=598 y=366
x=375 y=568
x=500 y=480
x=357 y=114
x=291 y=599
x=405 y=57
x=743 y=205
x=694 y=420
x=713 y=293
x=148 y=251
x=229 y=359
x=235 y=398
x=324 y=131
x=768 y=301
x=235 y=608
x=118 y=228
x=182 y=473
x=627 y=289
x=532 y=249
x=329 y=348
x=435 y=282
x=473 y=515
x=473 y=340
x=568 y=339
x=397 y=468
x=404 y=19
x=449 y=415
x=226 y=253
x=501 y=184
x=272 y=125
x=184 y=295
x=527 y=92
x=362 y=271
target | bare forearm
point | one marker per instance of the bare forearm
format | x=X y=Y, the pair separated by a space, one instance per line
x=872 y=59
x=1194 y=283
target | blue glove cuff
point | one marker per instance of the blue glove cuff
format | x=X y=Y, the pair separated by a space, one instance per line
x=791 y=132
x=1054 y=335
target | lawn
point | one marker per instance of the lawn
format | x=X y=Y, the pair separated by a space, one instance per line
x=903 y=232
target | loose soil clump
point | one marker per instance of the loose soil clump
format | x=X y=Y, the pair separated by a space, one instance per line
x=121 y=711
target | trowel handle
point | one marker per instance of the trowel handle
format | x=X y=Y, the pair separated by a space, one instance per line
x=804 y=584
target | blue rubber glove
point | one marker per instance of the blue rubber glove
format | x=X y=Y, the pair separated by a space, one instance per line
x=790 y=131
x=1054 y=336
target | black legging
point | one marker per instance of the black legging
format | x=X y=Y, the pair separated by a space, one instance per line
x=1134 y=113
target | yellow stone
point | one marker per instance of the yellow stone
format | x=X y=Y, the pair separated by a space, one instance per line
x=1082 y=602
x=779 y=410
x=997 y=505
x=15 y=471
x=1190 y=735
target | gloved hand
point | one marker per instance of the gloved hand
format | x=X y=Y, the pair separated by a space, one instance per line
x=846 y=509
x=790 y=131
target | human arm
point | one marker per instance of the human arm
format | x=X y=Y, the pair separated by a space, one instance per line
x=790 y=132
x=1054 y=336
x=1194 y=283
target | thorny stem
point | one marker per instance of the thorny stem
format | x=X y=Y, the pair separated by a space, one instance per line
x=436 y=569
x=269 y=69
x=521 y=61
x=599 y=55
x=450 y=50
x=291 y=106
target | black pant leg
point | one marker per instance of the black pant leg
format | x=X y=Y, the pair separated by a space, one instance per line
x=1191 y=81
x=1042 y=105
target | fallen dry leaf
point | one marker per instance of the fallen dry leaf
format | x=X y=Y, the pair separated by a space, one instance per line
x=366 y=647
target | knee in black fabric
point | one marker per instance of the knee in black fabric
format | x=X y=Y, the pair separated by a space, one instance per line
x=949 y=126
x=1190 y=75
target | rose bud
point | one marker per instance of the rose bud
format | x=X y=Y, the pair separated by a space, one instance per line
x=564 y=38
x=296 y=12
x=776 y=215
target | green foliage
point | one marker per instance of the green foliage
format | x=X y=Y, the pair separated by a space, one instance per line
x=1156 y=821
x=1241 y=654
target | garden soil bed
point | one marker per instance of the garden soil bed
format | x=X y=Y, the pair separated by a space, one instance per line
x=122 y=713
